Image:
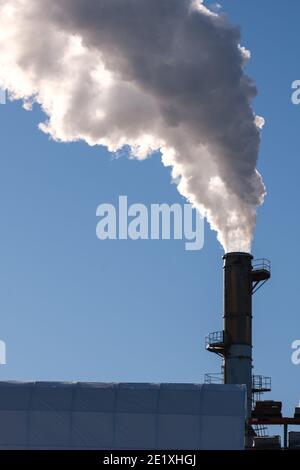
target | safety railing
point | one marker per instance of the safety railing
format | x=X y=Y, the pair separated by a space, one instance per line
x=262 y=264
x=213 y=379
x=217 y=337
x=261 y=383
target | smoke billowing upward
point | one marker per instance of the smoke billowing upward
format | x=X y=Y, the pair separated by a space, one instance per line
x=155 y=75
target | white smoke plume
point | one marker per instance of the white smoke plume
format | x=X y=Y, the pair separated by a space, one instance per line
x=154 y=75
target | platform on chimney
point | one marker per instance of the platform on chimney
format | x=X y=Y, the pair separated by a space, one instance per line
x=261 y=270
x=215 y=343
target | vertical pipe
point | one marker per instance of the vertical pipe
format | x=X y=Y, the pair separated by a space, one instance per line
x=238 y=321
x=285 y=436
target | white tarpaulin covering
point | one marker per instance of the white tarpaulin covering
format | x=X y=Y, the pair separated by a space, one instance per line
x=59 y=415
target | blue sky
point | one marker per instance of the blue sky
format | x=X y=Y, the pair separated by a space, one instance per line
x=76 y=308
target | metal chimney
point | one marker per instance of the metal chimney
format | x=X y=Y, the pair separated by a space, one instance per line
x=238 y=321
x=242 y=278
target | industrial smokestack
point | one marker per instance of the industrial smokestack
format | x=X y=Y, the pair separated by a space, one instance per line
x=242 y=278
x=238 y=321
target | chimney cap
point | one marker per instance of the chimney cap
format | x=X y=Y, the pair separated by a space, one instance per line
x=237 y=253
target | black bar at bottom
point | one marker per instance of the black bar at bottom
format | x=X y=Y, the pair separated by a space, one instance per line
x=134 y=459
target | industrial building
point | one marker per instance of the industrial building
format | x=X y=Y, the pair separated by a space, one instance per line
x=227 y=412
x=243 y=277
x=121 y=416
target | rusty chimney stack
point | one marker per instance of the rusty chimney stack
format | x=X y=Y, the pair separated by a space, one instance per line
x=238 y=320
x=242 y=278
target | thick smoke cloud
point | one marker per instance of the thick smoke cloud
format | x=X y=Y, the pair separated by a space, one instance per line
x=155 y=75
